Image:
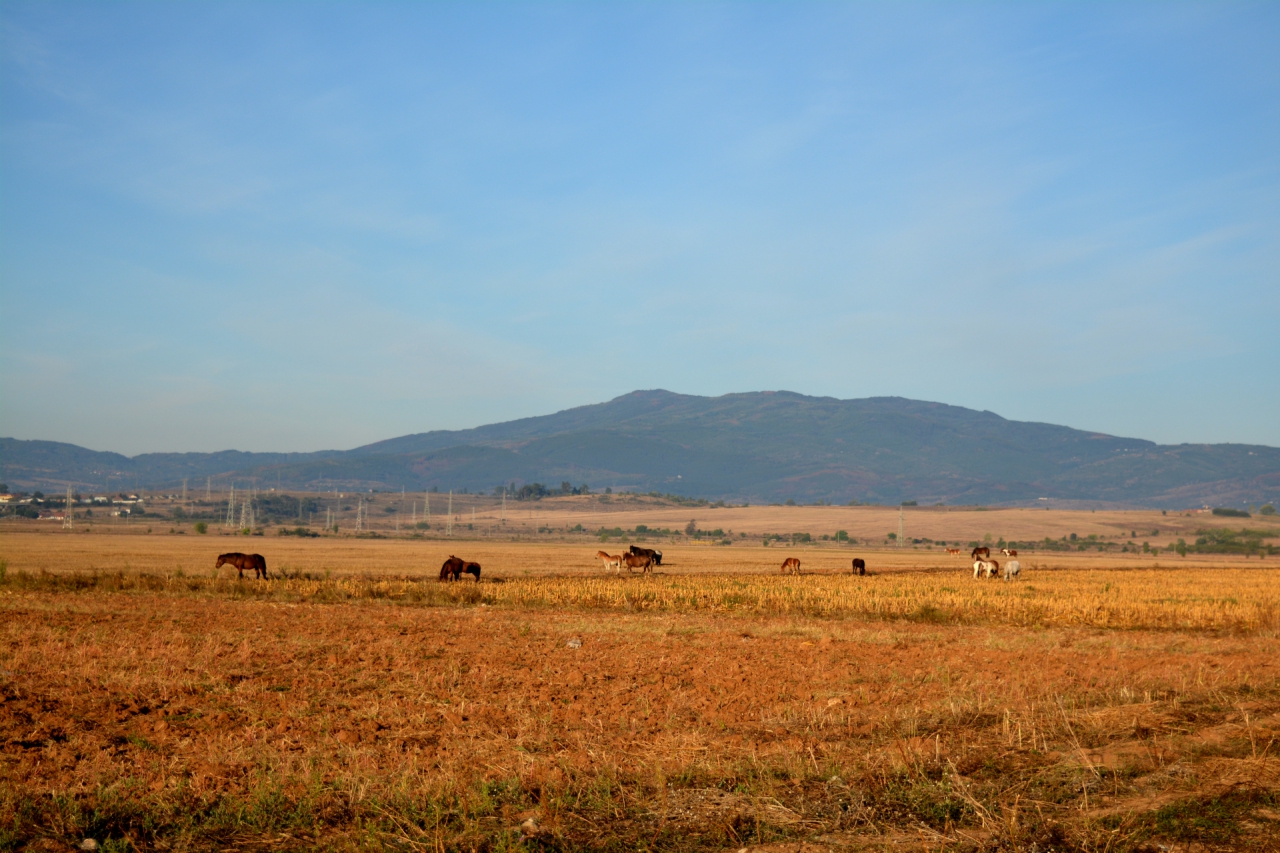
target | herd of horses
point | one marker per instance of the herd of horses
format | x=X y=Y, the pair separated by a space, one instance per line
x=645 y=559
x=635 y=557
x=983 y=565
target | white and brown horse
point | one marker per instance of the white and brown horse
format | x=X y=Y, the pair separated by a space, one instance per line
x=991 y=567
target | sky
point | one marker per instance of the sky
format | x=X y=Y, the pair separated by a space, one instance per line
x=294 y=226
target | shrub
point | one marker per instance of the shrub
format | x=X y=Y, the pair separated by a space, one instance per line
x=1267 y=509
x=1230 y=513
x=911 y=503
x=201 y=527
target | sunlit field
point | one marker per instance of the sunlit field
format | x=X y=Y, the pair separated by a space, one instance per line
x=1102 y=701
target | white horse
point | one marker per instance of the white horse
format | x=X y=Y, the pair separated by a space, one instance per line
x=991 y=567
x=1012 y=569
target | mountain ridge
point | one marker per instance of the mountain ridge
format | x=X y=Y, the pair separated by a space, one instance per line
x=754 y=446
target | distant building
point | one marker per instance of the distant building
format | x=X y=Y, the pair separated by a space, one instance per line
x=4 y=499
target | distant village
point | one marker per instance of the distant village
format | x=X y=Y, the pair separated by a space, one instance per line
x=37 y=505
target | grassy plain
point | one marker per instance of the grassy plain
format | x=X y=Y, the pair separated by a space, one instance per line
x=1113 y=702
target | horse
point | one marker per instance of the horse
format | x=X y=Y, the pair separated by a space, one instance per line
x=980 y=551
x=859 y=566
x=655 y=555
x=253 y=562
x=1009 y=552
x=1012 y=569
x=953 y=552
x=790 y=565
x=991 y=567
x=638 y=561
x=611 y=561
x=454 y=568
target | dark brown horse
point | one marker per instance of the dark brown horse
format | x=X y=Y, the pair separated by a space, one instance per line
x=981 y=551
x=656 y=556
x=454 y=568
x=253 y=562
x=859 y=566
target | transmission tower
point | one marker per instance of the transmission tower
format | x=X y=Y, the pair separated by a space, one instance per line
x=899 y=527
x=184 y=491
x=66 y=516
x=504 y=505
x=359 y=514
x=448 y=525
x=426 y=503
x=208 y=487
x=231 y=507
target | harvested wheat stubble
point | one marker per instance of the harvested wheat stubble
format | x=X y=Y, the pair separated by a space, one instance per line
x=1247 y=600
x=911 y=709
x=195 y=722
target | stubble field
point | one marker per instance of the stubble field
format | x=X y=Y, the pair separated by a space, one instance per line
x=1103 y=702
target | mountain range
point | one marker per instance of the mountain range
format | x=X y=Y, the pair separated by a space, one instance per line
x=756 y=447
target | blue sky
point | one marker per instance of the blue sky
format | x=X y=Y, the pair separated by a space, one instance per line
x=295 y=226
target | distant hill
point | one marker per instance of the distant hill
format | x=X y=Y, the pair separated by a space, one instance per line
x=758 y=447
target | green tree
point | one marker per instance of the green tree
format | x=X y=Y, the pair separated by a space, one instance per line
x=691 y=528
x=1266 y=509
x=201 y=527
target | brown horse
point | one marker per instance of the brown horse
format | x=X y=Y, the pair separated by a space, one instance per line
x=791 y=564
x=980 y=551
x=859 y=566
x=253 y=562
x=454 y=568
x=638 y=561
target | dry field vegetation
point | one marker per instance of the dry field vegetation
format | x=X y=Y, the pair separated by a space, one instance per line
x=1105 y=702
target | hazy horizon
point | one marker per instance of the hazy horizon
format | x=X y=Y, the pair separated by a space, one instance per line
x=280 y=227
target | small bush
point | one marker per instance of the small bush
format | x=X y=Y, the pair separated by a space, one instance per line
x=1230 y=513
x=1267 y=509
x=201 y=527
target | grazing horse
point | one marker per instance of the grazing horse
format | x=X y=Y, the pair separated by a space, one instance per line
x=980 y=551
x=454 y=568
x=791 y=565
x=1009 y=552
x=859 y=566
x=638 y=561
x=611 y=561
x=954 y=552
x=991 y=567
x=1012 y=569
x=254 y=562
x=655 y=555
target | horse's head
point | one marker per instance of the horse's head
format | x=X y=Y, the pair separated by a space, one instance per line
x=222 y=559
